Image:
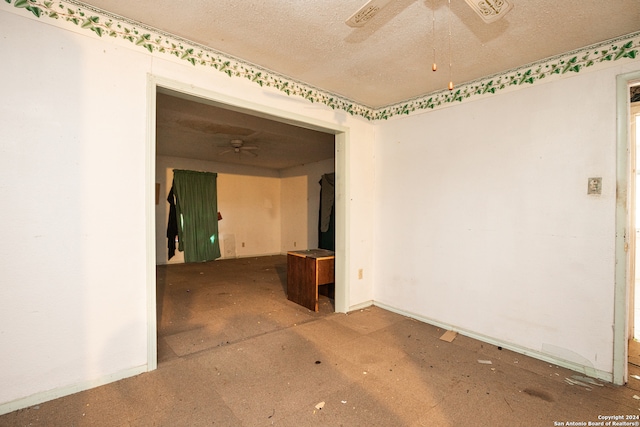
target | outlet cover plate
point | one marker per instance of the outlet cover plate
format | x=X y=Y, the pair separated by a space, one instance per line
x=595 y=186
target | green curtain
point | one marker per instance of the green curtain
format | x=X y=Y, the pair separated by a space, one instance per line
x=197 y=214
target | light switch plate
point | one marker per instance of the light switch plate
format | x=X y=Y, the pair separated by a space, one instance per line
x=595 y=186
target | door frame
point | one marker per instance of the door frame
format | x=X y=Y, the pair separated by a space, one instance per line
x=342 y=154
x=625 y=233
x=634 y=111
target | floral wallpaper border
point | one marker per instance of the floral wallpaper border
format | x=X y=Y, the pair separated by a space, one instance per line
x=155 y=41
x=571 y=62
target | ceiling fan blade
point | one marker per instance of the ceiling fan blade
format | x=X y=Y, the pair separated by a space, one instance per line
x=249 y=147
x=254 y=135
x=490 y=10
x=225 y=152
x=366 y=12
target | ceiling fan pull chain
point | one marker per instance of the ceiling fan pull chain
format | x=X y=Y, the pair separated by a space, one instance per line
x=434 y=67
x=450 y=73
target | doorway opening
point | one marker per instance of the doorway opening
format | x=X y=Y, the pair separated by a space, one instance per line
x=339 y=138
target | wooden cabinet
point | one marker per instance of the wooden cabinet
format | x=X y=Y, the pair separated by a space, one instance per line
x=306 y=270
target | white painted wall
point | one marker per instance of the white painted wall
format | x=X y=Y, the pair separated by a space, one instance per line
x=73 y=306
x=484 y=223
x=251 y=215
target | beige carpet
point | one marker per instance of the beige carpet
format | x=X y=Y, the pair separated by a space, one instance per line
x=233 y=351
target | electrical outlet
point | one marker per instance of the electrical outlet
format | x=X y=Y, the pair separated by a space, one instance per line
x=360 y=274
x=243 y=244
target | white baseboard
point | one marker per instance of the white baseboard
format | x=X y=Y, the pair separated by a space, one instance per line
x=222 y=258
x=586 y=370
x=362 y=305
x=251 y=256
x=45 y=396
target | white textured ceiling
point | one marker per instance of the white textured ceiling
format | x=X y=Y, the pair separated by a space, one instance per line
x=196 y=129
x=388 y=60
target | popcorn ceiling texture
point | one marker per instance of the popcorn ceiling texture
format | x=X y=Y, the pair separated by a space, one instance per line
x=388 y=61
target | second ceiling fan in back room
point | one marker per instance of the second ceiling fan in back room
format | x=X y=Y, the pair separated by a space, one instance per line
x=237 y=146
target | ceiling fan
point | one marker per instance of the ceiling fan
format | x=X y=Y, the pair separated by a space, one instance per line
x=237 y=146
x=488 y=10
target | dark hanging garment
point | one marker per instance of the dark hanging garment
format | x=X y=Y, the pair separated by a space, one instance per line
x=172 y=224
x=327 y=217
